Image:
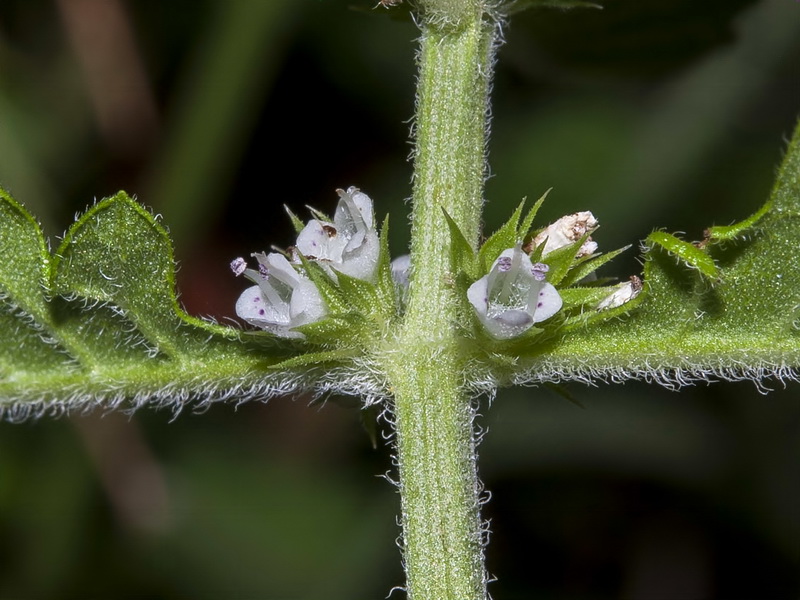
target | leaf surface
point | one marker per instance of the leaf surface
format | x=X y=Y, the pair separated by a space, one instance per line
x=686 y=327
x=99 y=323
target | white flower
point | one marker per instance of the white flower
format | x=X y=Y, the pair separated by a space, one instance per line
x=514 y=295
x=349 y=244
x=281 y=300
x=625 y=292
x=568 y=230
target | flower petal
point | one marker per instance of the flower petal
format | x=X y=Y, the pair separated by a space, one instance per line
x=513 y=295
x=350 y=244
x=548 y=303
x=321 y=241
x=282 y=300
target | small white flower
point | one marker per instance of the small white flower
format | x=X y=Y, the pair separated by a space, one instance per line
x=625 y=292
x=281 y=300
x=514 y=295
x=349 y=244
x=568 y=230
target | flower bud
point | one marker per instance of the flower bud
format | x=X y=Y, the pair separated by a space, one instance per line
x=568 y=230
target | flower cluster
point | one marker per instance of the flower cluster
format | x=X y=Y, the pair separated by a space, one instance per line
x=283 y=297
x=516 y=293
x=508 y=300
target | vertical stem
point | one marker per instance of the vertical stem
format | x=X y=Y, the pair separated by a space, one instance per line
x=442 y=537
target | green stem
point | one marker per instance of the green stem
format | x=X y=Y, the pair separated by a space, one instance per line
x=442 y=538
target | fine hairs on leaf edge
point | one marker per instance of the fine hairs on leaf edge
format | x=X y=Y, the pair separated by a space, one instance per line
x=672 y=378
x=360 y=378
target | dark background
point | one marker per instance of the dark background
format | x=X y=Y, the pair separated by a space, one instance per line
x=668 y=114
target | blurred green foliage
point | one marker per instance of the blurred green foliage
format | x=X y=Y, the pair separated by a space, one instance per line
x=215 y=113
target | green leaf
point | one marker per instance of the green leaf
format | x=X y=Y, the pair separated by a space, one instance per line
x=343 y=329
x=316 y=358
x=116 y=253
x=331 y=293
x=581 y=306
x=683 y=329
x=364 y=297
x=387 y=290
x=576 y=297
x=99 y=322
x=27 y=348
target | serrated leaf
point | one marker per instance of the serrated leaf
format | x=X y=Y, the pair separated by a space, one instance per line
x=746 y=326
x=23 y=270
x=24 y=312
x=108 y=327
x=137 y=277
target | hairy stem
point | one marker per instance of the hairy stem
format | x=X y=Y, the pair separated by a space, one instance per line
x=442 y=538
